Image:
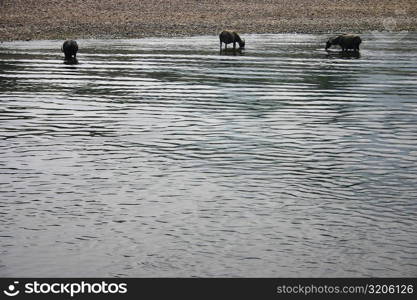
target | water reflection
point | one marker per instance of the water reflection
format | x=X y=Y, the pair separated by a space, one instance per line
x=343 y=54
x=231 y=51
x=71 y=61
x=160 y=157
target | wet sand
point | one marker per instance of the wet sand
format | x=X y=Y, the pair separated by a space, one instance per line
x=41 y=19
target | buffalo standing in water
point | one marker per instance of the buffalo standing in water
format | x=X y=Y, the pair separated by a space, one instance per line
x=228 y=37
x=70 y=48
x=346 y=41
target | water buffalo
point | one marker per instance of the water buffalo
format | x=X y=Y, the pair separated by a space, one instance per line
x=346 y=41
x=228 y=37
x=70 y=48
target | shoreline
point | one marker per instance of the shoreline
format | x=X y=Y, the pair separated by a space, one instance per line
x=209 y=35
x=44 y=20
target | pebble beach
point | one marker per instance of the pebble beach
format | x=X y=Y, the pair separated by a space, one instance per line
x=41 y=19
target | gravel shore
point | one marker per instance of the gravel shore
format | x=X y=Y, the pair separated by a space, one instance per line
x=52 y=19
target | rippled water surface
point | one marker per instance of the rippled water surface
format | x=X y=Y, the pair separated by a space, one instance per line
x=160 y=157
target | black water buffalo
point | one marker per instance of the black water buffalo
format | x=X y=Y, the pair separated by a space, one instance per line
x=70 y=48
x=346 y=41
x=228 y=37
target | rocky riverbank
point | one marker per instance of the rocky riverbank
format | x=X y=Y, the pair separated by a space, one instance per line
x=52 y=19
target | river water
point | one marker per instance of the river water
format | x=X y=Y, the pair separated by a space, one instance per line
x=161 y=157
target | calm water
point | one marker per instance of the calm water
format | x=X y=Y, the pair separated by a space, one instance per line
x=160 y=157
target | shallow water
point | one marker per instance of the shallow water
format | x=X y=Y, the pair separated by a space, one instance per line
x=160 y=157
